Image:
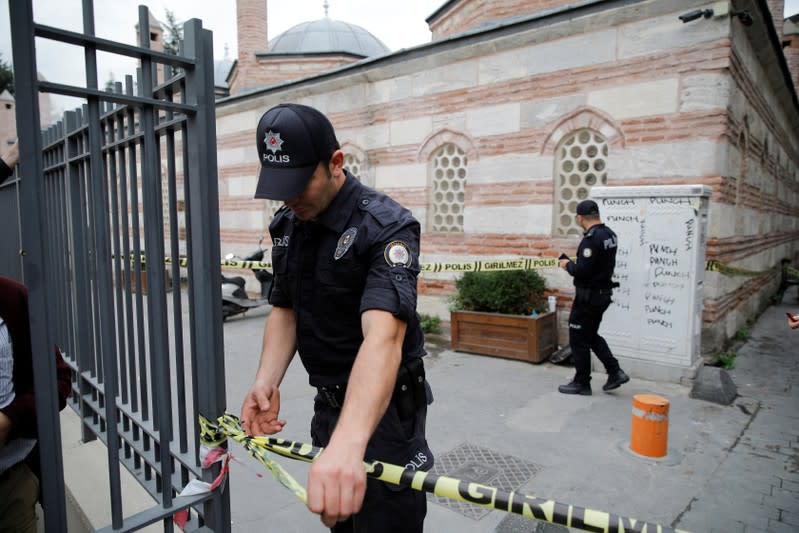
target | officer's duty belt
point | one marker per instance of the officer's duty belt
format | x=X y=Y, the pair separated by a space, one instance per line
x=590 y=290
x=333 y=395
x=409 y=391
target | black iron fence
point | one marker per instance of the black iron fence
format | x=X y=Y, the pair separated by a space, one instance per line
x=131 y=172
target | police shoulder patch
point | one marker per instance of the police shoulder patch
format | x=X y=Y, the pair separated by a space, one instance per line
x=587 y=252
x=397 y=253
x=344 y=243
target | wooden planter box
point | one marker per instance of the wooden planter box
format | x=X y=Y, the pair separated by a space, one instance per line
x=526 y=338
x=134 y=286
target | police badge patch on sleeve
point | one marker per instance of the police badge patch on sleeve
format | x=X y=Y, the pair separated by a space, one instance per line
x=344 y=243
x=397 y=253
x=587 y=252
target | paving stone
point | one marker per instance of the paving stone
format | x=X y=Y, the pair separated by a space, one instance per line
x=782 y=499
x=723 y=524
x=780 y=527
x=792 y=516
x=789 y=485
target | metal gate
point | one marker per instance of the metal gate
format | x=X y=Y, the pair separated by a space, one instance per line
x=112 y=199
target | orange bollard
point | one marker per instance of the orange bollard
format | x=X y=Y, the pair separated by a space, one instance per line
x=649 y=435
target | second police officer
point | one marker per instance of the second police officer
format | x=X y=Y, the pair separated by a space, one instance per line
x=345 y=261
x=593 y=287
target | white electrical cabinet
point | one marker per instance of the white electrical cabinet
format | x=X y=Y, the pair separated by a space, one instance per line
x=654 y=323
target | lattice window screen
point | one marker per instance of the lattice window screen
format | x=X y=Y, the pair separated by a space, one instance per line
x=357 y=168
x=447 y=189
x=581 y=163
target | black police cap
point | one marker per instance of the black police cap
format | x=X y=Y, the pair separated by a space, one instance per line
x=587 y=207
x=291 y=139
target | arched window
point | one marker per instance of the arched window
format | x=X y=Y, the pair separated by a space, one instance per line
x=580 y=164
x=356 y=161
x=356 y=166
x=447 y=171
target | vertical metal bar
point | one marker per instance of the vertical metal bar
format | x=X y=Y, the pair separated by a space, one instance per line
x=81 y=300
x=205 y=254
x=156 y=294
x=65 y=337
x=87 y=192
x=110 y=124
x=34 y=242
x=137 y=277
x=49 y=252
x=69 y=337
x=137 y=252
x=62 y=266
x=177 y=308
x=126 y=254
x=93 y=297
x=192 y=319
x=105 y=310
x=57 y=226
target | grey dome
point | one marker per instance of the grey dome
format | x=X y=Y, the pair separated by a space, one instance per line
x=222 y=71
x=327 y=36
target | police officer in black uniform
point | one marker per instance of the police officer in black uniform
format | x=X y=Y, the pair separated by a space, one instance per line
x=345 y=261
x=596 y=258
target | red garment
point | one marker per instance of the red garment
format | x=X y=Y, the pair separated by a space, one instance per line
x=5 y=171
x=22 y=410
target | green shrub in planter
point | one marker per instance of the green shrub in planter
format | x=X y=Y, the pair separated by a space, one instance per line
x=430 y=323
x=512 y=292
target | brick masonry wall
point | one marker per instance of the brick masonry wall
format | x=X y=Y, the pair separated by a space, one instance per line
x=468 y=14
x=792 y=58
x=252 y=36
x=265 y=70
x=777 y=9
x=679 y=104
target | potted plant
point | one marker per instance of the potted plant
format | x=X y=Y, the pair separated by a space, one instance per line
x=504 y=314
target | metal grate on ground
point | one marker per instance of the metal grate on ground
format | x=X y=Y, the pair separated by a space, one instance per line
x=480 y=465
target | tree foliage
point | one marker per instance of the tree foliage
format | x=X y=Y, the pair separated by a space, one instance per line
x=109 y=84
x=173 y=34
x=6 y=76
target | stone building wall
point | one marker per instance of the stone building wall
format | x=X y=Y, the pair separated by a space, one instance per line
x=667 y=100
x=8 y=121
x=263 y=69
x=791 y=47
x=754 y=220
x=465 y=15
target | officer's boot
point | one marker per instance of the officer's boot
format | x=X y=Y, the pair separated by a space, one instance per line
x=615 y=380
x=573 y=387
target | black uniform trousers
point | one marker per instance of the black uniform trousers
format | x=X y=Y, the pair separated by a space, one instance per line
x=386 y=508
x=586 y=314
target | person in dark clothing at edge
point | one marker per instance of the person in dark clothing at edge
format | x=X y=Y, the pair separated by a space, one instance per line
x=8 y=161
x=596 y=259
x=345 y=260
x=19 y=453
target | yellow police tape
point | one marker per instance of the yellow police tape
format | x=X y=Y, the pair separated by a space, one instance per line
x=715 y=266
x=491 y=265
x=488 y=265
x=534 y=508
x=791 y=271
x=521 y=263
